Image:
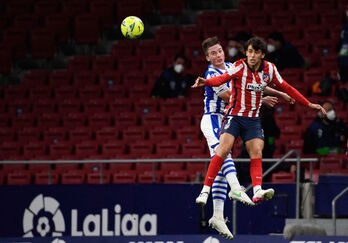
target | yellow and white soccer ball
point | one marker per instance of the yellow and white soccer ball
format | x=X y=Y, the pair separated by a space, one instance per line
x=132 y=27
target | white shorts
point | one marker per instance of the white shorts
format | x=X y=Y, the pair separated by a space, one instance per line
x=210 y=126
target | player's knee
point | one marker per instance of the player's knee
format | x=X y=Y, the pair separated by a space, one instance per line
x=256 y=152
x=223 y=150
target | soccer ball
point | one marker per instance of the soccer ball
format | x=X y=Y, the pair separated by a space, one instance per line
x=132 y=27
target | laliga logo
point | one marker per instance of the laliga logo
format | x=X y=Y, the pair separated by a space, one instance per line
x=43 y=216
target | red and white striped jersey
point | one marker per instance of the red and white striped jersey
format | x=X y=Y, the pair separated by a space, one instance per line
x=247 y=87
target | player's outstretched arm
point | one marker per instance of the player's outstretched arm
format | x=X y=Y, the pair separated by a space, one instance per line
x=199 y=82
x=317 y=107
x=270 y=101
x=284 y=96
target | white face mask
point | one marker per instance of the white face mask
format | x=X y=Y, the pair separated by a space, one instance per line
x=270 y=48
x=178 y=68
x=331 y=115
x=232 y=52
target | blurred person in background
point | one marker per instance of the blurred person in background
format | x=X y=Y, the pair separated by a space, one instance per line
x=235 y=46
x=326 y=133
x=343 y=48
x=282 y=53
x=173 y=81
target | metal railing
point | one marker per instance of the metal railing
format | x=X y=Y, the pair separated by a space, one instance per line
x=333 y=203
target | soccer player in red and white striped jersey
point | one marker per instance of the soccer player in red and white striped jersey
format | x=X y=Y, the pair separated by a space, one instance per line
x=248 y=77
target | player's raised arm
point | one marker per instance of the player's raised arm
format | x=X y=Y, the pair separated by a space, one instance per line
x=274 y=92
x=291 y=91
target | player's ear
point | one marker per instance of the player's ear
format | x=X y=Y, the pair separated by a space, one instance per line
x=263 y=55
x=207 y=58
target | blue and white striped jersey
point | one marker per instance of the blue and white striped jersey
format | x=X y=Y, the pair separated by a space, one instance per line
x=212 y=102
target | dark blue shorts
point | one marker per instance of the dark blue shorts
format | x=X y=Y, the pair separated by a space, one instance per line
x=247 y=127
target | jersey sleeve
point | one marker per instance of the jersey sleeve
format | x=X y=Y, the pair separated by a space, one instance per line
x=231 y=73
x=219 y=89
x=281 y=83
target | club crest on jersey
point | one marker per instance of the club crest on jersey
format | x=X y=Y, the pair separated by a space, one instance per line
x=255 y=87
x=265 y=78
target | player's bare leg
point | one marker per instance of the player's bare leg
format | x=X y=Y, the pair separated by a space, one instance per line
x=254 y=148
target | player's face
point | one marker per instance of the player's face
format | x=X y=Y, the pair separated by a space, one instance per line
x=254 y=57
x=216 y=55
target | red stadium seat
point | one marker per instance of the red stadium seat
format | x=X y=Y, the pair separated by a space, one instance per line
x=42 y=44
x=80 y=64
x=146 y=48
x=306 y=18
x=55 y=134
x=191 y=33
x=175 y=177
x=26 y=21
x=95 y=106
x=80 y=134
x=73 y=177
x=150 y=63
x=29 y=134
x=166 y=33
x=117 y=167
x=42 y=92
x=160 y=133
x=122 y=48
x=34 y=168
x=19 y=178
x=232 y=18
x=64 y=167
x=103 y=63
x=194 y=149
x=85 y=79
x=86 y=148
x=126 y=8
x=90 y=92
x=113 y=149
x=33 y=149
x=72 y=120
x=94 y=178
x=59 y=78
x=167 y=148
x=46 y=178
x=59 y=24
x=188 y=133
x=179 y=120
x=73 y=8
x=20 y=106
x=146 y=105
x=99 y=120
x=126 y=119
x=23 y=121
x=153 y=119
x=332 y=163
x=36 y=77
x=65 y=92
x=16 y=39
x=69 y=106
x=106 y=134
x=6 y=135
x=147 y=177
x=131 y=134
x=170 y=106
x=18 y=7
x=60 y=149
x=299 y=5
x=170 y=7
x=109 y=78
x=43 y=8
x=209 y=19
x=139 y=147
x=9 y=149
x=283 y=177
x=254 y=19
x=114 y=92
x=171 y=167
x=194 y=167
x=124 y=178
x=104 y=11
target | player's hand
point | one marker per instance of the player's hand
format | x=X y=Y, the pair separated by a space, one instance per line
x=198 y=83
x=287 y=98
x=317 y=107
x=269 y=101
